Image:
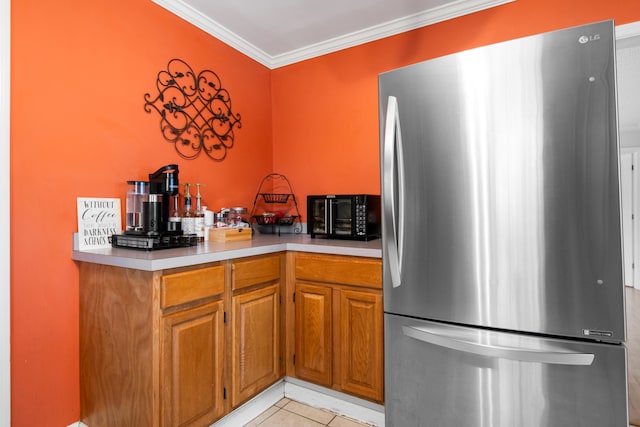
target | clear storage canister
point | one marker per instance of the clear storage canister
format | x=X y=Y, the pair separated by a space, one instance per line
x=237 y=217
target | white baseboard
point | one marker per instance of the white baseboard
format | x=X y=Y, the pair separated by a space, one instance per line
x=303 y=392
x=253 y=407
x=340 y=403
x=309 y=394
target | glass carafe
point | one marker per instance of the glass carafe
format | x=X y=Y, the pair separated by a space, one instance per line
x=137 y=194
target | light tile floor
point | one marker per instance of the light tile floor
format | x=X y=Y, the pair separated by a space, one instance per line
x=289 y=413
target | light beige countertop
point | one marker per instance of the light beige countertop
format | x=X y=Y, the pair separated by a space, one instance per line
x=213 y=251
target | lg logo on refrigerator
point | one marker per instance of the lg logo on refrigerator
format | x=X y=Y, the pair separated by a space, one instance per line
x=587 y=39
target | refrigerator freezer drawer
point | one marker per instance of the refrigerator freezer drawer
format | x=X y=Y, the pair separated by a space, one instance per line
x=440 y=375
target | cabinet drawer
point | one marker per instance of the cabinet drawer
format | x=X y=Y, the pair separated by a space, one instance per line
x=355 y=271
x=257 y=270
x=181 y=288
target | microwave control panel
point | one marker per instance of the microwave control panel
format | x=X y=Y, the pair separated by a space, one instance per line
x=361 y=218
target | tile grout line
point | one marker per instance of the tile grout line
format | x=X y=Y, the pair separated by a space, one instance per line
x=282 y=405
x=331 y=420
x=275 y=412
x=311 y=419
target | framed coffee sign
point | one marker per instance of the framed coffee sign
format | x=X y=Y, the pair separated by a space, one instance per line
x=98 y=220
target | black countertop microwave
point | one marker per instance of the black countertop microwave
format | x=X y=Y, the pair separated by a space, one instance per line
x=344 y=216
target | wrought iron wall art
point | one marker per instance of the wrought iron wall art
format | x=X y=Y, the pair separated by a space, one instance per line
x=195 y=111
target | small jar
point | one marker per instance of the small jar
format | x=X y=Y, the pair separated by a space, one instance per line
x=220 y=218
x=237 y=217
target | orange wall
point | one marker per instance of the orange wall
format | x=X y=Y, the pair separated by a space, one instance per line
x=79 y=73
x=325 y=109
x=80 y=70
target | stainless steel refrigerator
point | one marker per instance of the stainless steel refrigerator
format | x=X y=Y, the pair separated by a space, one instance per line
x=502 y=259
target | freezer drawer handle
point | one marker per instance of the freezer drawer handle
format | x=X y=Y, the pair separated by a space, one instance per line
x=522 y=354
x=392 y=157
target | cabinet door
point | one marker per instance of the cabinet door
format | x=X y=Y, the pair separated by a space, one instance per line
x=361 y=320
x=192 y=353
x=313 y=337
x=255 y=342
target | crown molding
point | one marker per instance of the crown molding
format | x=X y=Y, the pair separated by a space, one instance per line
x=387 y=29
x=208 y=25
x=390 y=28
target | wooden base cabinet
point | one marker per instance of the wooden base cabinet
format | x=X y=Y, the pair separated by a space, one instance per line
x=338 y=338
x=151 y=346
x=256 y=353
x=163 y=349
x=192 y=346
x=183 y=347
x=255 y=359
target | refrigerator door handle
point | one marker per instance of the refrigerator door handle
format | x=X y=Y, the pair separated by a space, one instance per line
x=560 y=357
x=394 y=221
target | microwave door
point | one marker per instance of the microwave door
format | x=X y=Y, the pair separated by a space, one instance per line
x=342 y=217
x=320 y=216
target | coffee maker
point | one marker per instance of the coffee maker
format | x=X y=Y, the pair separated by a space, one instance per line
x=147 y=214
x=163 y=185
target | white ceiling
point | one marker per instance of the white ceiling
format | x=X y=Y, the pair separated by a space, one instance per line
x=280 y=32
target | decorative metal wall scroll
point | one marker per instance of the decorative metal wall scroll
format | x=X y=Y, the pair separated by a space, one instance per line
x=195 y=111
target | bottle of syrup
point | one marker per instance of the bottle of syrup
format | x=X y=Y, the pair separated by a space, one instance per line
x=199 y=215
x=188 y=216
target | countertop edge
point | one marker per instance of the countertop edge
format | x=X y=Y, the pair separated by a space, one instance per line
x=212 y=252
